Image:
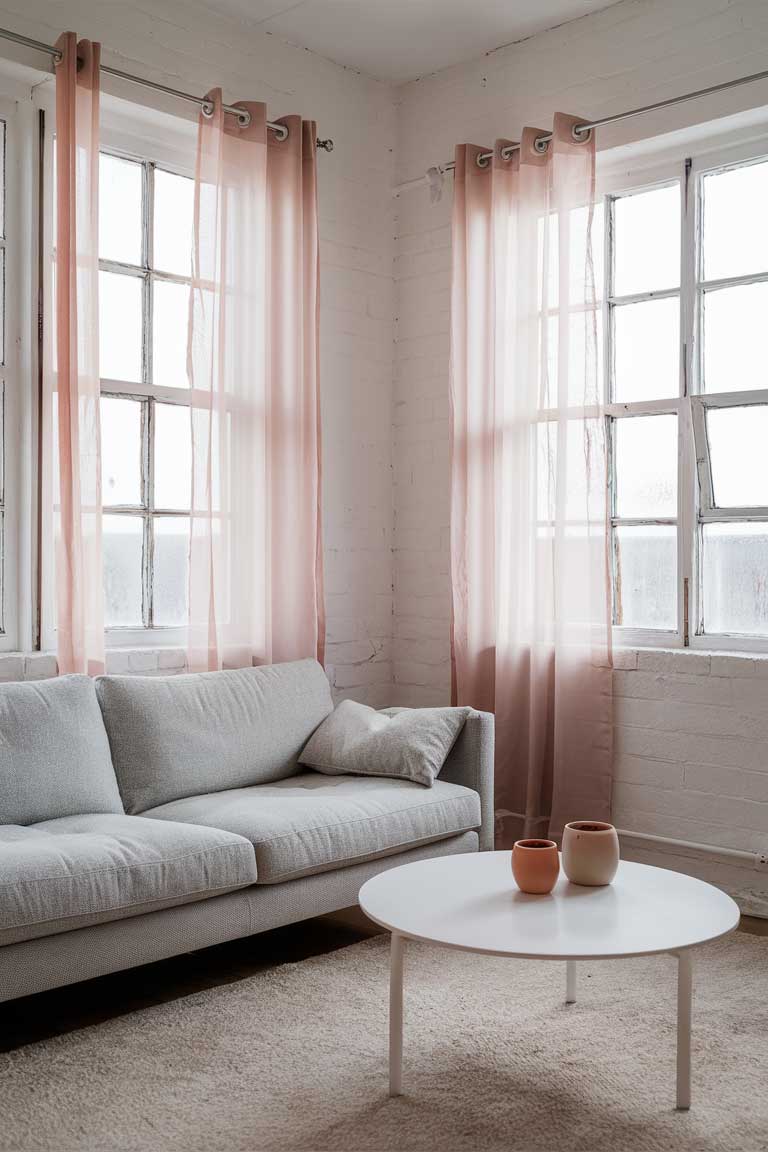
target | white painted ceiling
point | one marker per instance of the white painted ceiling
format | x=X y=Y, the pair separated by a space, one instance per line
x=399 y=40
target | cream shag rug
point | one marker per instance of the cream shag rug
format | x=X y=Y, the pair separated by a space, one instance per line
x=295 y=1059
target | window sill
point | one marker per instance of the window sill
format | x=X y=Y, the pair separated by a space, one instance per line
x=120 y=661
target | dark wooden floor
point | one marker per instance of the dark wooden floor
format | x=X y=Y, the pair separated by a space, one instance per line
x=66 y=1009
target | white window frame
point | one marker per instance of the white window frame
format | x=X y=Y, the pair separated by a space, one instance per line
x=147 y=393
x=143 y=134
x=695 y=505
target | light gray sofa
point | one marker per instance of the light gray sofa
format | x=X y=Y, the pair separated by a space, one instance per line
x=143 y=817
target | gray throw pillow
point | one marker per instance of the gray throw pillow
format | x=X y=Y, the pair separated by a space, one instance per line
x=357 y=740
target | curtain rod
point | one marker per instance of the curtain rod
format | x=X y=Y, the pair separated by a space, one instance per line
x=581 y=131
x=243 y=116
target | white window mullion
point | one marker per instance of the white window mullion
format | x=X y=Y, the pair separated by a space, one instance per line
x=688 y=598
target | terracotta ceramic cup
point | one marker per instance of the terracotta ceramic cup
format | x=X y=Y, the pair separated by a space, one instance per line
x=535 y=865
x=590 y=852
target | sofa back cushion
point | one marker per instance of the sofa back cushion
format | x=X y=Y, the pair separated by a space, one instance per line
x=177 y=736
x=54 y=752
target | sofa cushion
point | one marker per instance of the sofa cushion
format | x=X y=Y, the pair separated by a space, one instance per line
x=177 y=736
x=54 y=752
x=313 y=823
x=64 y=874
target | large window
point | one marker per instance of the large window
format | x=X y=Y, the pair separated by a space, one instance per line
x=686 y=300
x=145 y=230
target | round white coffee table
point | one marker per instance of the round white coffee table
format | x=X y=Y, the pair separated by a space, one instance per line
x=471 y=902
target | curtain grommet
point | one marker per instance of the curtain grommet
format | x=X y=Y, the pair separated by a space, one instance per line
x=540 y=144
x=207 y=109
x=581 y=133
x=244 y=118
x=482 y=160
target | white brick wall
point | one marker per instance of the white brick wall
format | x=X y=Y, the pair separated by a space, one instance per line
x=184 y=45
x=692 y=730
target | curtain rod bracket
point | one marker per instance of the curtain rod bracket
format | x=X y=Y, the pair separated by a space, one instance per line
x=326 y=145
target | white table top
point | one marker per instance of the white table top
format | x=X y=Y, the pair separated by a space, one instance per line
x=471 y=902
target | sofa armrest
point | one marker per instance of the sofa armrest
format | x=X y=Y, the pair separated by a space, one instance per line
x=470 y=762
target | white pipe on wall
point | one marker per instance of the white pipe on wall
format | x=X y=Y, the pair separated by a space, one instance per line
x=756 y=859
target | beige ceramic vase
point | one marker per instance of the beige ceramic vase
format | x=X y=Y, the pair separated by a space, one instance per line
x=590 y=852
x=535 y=866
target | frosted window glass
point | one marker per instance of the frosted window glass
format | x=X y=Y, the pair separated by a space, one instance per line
x=122 y=543
x=645 y=576
x=735 y=578
x=171 y=570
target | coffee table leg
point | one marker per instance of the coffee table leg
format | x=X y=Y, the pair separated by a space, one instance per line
x=396 y=1014
x=570 y=981
x=684 y=995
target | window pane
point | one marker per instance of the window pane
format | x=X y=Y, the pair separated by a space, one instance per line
x=122 y=547
x=737 y=443
x=120 y=451
x=119 y=209
x=645 y=578
x=646 y=356
x=169 y=334
x=646 y=466
x=173 y=456
x=735 y=238
x=734 y=338
x=646 y=241
x=171 y=571
x=735 y=584
x=174 y=203
x=585 y=358
x=578 y=289
x=119 y=326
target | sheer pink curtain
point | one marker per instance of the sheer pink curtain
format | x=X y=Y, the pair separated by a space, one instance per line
x=529 y=503
x=77 y=509
x=255 y=577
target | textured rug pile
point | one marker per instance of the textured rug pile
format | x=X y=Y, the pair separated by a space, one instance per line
x=295 y=1059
